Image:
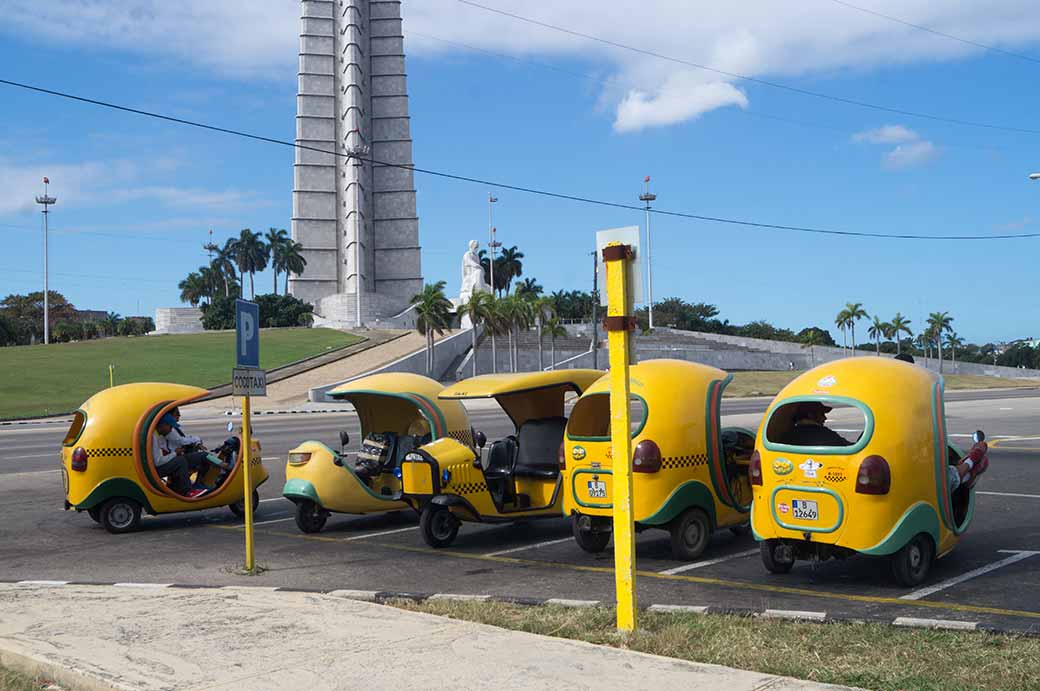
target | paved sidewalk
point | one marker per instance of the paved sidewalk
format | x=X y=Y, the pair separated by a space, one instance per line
x=105 y=637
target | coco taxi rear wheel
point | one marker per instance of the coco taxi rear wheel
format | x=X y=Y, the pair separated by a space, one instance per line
x=310 y=518
x=120 y=515
x=438 y=526
x=690 y=533
x=911 y=565
x=776 y=556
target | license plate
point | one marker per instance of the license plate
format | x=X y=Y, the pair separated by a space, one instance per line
x=597 y=489
x=804 y=510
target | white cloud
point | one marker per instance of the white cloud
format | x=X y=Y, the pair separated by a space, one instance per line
x=759 y=38
x=889 y=134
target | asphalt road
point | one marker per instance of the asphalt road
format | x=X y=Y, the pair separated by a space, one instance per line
x=995 y=571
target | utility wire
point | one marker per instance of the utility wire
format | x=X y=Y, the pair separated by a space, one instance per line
x=755 y=80
x=515 y=188
x=118 y=236
x=930 y=30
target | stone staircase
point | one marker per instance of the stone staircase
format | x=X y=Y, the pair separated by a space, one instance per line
x=178 y=320
x=377 y=310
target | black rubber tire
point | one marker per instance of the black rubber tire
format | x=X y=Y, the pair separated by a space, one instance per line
x=239 y=507
x=767 y=549
x=310 y=517
x=589 y=541
x=438 y=526
x=741 y=530
x=120 y=515
x=95 y=514
x=690 y=534
x=912 y=564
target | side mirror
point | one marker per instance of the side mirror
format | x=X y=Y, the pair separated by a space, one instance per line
x=978 y=436
x=344 y=439
x=481 y=439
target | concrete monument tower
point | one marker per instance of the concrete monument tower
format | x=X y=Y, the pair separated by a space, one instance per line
x=353 y=97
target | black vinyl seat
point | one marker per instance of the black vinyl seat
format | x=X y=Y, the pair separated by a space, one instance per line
x=539 y=441
x=501 y=457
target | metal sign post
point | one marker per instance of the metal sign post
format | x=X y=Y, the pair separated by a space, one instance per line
x=247 y=380
x=619 y=258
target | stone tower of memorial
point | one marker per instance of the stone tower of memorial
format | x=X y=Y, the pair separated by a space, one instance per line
x=353 y=96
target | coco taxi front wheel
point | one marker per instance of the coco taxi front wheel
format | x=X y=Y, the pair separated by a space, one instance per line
x=438 y=526
x=120 y=515
x=911 y=565
x=589 y=540
x=239 y=507
x=310 y=518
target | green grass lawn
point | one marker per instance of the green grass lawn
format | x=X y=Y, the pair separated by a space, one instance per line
x=770 y=383
x=46 y=380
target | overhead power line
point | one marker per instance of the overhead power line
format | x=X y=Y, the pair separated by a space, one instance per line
x=756 y=80
x=930 y=30
x=515 y=188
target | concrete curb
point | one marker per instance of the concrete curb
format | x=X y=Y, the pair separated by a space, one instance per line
x=62 y=676
x=386 y=596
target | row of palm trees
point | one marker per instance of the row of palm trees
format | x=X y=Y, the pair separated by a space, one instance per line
x=508 y=265
x=938 y=330
x=247 y=253
x=505 y=315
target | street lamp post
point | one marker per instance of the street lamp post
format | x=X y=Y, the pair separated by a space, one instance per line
x=46 y=200
x=492 y=243
x=647 y=197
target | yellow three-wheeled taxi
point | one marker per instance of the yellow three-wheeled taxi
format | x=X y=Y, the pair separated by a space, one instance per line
x=107 y=464
x=447 y=481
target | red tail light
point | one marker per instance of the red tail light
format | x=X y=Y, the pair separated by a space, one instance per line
x=561 y=456
x=874 y=477
x=79 y=459
x=754 y=469
x=647 y=457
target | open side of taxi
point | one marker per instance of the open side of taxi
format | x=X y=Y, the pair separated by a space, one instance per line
x=109 y=466
x=398 y=412
x=689 y=474
x=875 y=485
x=449 y=481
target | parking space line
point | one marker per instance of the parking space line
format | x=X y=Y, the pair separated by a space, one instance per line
x=379 y=534
x=738 y=585
x=273 y=499
x=521 y=549
x=276 y=520
x=709 y=562
x=1009 y=494
x=1016 y=556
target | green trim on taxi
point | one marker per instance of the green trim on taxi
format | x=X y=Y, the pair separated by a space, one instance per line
x=301 y=489
x=809 y=490
x=114 y=487
x=686 y=495
x=919 y=518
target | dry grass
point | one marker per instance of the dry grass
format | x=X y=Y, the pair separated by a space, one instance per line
x=16 y=681
x=770 y=383
x=874 y=656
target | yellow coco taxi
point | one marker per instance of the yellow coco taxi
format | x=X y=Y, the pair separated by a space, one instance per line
x=689 y=474
x=880 y=489
x=447 y=480
x=107 y=464
x=398 y=413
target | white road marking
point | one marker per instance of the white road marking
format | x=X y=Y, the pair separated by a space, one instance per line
x=54 y=455
x=380 y=534
x=521 y=549
x=42 y=583
x=936 y=623
x=277 y=520
x=1009 y=494
x=142 y=585
x=1006 y=408
x=709 y=562
x=793 y=614
x=1016 y=556
x=274 y=499
x=31 y=472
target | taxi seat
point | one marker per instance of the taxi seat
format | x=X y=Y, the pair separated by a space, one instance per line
x=498 y=474
x=539 y=442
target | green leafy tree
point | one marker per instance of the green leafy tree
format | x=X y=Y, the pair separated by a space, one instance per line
x=276 y=238
x=290 y=260
x=480 y=308
x=517 y=314
x=900 y=325
x=433 y=315
x=877 y=330
x=193 y=289
x=855 y=313
x=939 y=324
x=542 y=309
x=823 y=336
x=529 y=287
x=251 y=255
x=810 y=339
x=279 y=311
x=26 y=313
x=223 y=263
x=842 y=321
x=510 y=265
x=219 y=314
x=953 y=342
x=555 y=330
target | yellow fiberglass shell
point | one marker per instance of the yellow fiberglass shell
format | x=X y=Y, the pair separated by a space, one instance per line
x=679 y=404
x=114 y=427
x=398 y=402
x=904 y=423
x=525 y=395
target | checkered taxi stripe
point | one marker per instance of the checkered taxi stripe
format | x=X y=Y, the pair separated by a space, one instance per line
x=462 y=436
x=467 y=487
x=834 y=475
x=690 y=461
x=93 y=453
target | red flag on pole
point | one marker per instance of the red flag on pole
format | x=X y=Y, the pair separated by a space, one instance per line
x=646 y=179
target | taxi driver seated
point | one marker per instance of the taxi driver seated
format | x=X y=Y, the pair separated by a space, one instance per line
x=810 y=427
x=171 y=459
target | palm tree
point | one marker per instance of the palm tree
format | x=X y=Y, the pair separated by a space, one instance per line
x=433 y=312
x=878 y=329
x=517 y=314
x=900 y=325
x=510 y=265
x=529 y=286
x=543 y=309
x=289 y=259
x=277 y=239
x=856 y=312
x=193 y=289
x=810 y=340
x=223 y=263
x=953 y=342
x=481 y=311
x=111 y=322
x=251 y=255
x=842 y=321
x=556 y=330
x=939 y=324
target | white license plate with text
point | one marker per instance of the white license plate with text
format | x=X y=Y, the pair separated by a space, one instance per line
x=804 y=510
x=597 y=489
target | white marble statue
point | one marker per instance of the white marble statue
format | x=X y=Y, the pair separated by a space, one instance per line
x=472 y=274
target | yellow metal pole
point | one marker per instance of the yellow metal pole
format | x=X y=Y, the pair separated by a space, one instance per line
x=619 y=323
x=248 y=496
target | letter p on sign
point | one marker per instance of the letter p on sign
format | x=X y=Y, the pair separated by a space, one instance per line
x=247 y=334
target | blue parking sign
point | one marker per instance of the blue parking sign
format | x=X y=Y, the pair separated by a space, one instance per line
x=247 y=334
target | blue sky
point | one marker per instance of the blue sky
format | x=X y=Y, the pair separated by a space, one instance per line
x=137 y=197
